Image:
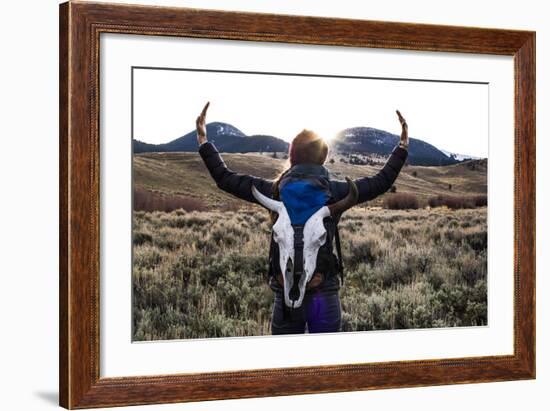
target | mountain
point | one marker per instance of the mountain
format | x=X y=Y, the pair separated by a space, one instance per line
x=373 y=141
x=356 y=140
x=460 y=157
x=227 y=138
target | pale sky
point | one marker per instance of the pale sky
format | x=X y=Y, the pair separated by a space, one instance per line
x=451 y=116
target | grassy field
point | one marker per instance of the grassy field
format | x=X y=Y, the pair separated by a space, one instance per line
x=201 y=273
x=185 y=175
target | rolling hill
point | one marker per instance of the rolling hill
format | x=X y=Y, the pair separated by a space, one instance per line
x=184 y=174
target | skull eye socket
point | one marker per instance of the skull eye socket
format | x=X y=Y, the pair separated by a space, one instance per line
x=323 y=238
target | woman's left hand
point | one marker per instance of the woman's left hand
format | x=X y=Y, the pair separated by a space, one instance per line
x=404 y=131
x=201 y=125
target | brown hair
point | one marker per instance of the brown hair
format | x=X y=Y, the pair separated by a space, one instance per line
x=306 y=147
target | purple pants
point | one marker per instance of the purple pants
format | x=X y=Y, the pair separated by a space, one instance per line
x=320 y=312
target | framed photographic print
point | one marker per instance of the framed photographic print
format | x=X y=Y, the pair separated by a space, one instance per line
x=258 y=205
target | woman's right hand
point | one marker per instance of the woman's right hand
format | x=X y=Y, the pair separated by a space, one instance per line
x=201 y=125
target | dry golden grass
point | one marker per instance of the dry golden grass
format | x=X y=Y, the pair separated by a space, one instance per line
x=184 y=174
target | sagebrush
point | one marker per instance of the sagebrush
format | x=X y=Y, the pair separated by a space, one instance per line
x=201 y=274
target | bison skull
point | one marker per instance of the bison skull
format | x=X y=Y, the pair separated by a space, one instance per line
x=314 y=236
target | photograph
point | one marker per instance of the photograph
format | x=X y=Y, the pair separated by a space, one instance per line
x=272 y=203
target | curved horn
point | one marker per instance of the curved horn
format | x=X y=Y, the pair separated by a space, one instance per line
x=347 y=202
x=267 y=202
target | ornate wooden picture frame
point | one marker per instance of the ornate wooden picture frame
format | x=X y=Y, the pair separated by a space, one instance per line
x=81 y=24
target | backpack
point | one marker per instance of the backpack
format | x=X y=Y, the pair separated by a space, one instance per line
x=304 y=189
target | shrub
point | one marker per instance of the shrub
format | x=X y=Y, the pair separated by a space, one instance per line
x=476 y=239
x=366 y=251
x=145 y=200
x=147 y=257
x=480 y=200
x=142 y=238
x=401 y=201
x=456 y=202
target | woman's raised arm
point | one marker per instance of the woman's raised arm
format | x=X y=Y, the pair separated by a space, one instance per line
x=371 y=187
x=240 y=185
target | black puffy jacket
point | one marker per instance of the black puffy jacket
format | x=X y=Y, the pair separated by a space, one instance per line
x=240 y=185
